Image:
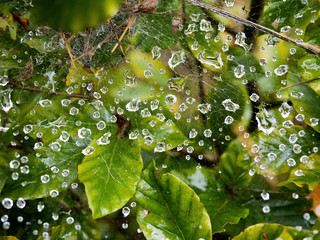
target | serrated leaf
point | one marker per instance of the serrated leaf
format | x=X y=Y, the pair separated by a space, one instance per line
x=305 y=98
x=272 y=231
x=168 y=208
x=222 y=209
x=282 y=149
x=306 y=173
x=110 y=175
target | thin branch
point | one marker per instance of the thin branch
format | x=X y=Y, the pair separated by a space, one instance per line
x=124 y=33
x=99 y=44
x=116 y=35
x=33 y=89
x=246 y=22
x=268 y=191
x=293 y=85
x=69 y=52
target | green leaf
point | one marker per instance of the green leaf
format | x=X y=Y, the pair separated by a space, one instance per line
x=110 y=174
x=273 y=231
x=63 y=231
x=307 y=173
x=313 y=33
x=282 y=149
x=51 y=171
x=306 y=102
x=222 y=209
x=168 y=208
x=73 y=15
x=278 y=13
x=158 y=133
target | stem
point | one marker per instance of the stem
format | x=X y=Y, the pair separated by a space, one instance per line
x=33 y=89
x=293 y=85
x=69 y=52
x=116 y=35
x=246 y=22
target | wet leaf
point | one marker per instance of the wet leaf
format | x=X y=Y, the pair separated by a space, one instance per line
x=110 y=175
x=163 y=208
x=273 y=231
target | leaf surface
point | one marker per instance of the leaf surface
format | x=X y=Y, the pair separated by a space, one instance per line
x=168 y=208
x=110 y=175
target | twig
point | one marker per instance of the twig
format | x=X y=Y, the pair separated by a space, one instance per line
x=124 y=33
x=69 y=52
x=116 y=35
x=33 y=89
x=293 y=85
x=100 y=43
x=246 y=22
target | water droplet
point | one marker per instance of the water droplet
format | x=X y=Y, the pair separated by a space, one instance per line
x=254 y=97
x=7 y=203
x=45 y=103
x=230 y=106
x=130 y=79
x=266 y=122
x=287 y=124
x=193 y=133
x=170 y=99
x=101 y=125
x=27 y=129
x=55 y=146
x=154 y=104
x=73 y=111
x=183 y=107
x=70 y=220
x=285 y=109
x=229 y=3
x=176 y=84
x=5 y=100
x=160 y=147
x=145 y=113
x=84 y=133
x=207 y=133
x=105 y=139
x=204 y=108
x=285 y=29
x=191 y=29
x=148 y=74
x=125 y=211
x=205 y=25
x=266 y=209
x=64 y=136
x=21 y=203
x=156 y=52
x=228 y=120
x=176 y=58
x=239 y=71
x=211 y=58
x=281 y=70
x=88 y=150
x=314 y=121
x=134 y=134
x=291 y=162
x=45 y=178
x=265 y=196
